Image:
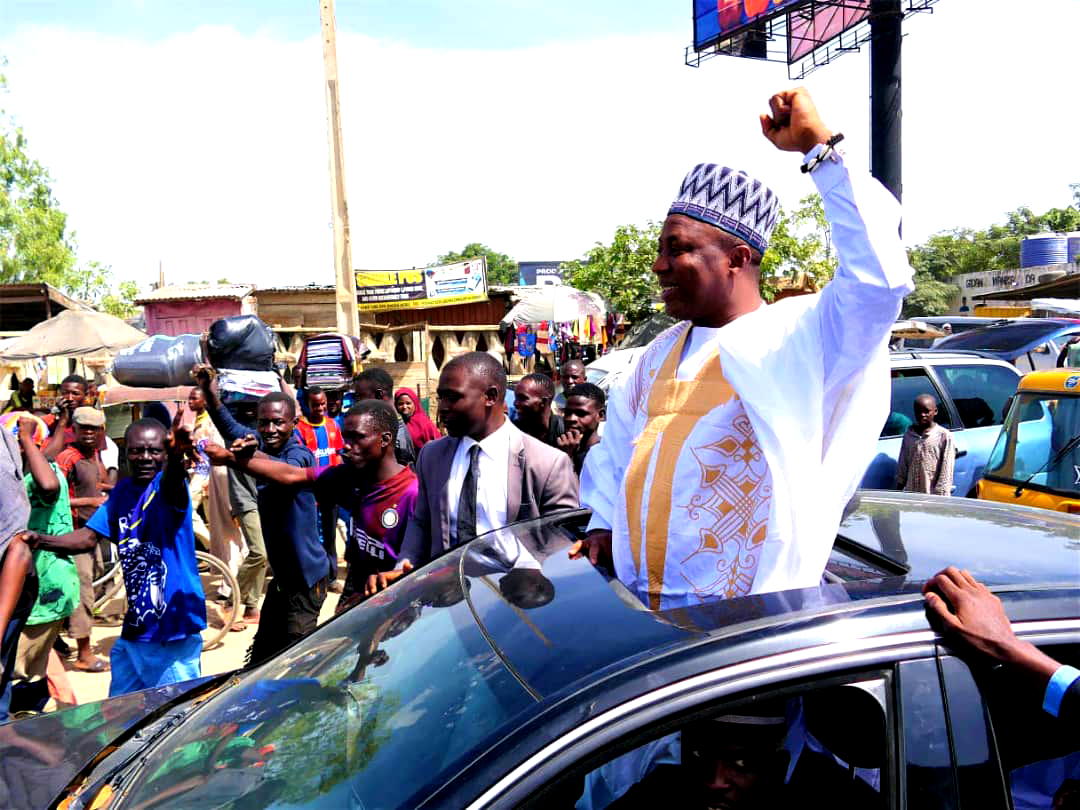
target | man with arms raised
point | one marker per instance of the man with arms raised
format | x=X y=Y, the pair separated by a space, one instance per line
x=733 y=445
x=148 y=516
x=483 y=475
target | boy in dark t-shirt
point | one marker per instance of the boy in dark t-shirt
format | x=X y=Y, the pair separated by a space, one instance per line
x=288 y=517
x=377 y=490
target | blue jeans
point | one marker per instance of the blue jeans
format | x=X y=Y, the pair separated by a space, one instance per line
x=145 y=664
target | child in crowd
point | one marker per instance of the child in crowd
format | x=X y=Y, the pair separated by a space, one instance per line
x=584 y=412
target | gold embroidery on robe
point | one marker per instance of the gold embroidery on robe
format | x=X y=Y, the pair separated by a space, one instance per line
x=736 y=496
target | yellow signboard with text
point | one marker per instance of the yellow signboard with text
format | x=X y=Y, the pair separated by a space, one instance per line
x=458 y=283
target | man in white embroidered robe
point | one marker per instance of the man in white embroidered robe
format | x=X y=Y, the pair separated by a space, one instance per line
x=733 y=445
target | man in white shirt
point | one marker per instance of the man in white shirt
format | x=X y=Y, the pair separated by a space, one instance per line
x=484 y=474
x=734 y=443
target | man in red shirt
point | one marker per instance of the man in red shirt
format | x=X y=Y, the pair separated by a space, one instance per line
x=81 y=463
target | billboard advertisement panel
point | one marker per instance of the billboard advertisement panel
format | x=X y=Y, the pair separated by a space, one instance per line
x=715 y=20
x=818 y=23
x=423 y=288
x=539 y=273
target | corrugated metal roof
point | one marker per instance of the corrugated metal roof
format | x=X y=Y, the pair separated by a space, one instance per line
x=298 y=288
x=196 y=292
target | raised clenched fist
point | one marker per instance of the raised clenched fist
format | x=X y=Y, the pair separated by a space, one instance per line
x=794 y=125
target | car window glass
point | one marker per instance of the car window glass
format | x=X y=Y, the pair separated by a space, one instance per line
x=1040 y=754
x=350 y=716
x=829 y=739
x=980 y=392
x=1035 y=443
x=929 y=779
x=907 y=384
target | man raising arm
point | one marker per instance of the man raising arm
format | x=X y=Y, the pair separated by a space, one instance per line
x=732 y=446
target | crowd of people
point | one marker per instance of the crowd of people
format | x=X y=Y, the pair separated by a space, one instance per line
x=719 y=467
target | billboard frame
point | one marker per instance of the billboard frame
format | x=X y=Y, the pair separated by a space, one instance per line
x=770 y=36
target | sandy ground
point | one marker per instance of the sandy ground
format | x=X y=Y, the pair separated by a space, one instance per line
x=229 y=655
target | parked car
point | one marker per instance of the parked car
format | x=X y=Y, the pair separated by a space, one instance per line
x=505 y=675
x=958 y=324
x=606 y=369
x=1036 y=460
x=1030 y=344
x=972 y=392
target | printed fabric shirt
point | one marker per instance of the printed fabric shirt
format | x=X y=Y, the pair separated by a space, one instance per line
x=380 y=515
x=157 y=555
x=926 y=461
x=58 y=579
x=322 y=439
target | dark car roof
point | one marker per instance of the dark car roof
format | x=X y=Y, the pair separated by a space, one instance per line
x=423 y=678
x=1011 y=338
x=921 y=533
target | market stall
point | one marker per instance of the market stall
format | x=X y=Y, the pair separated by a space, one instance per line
x=552 y=324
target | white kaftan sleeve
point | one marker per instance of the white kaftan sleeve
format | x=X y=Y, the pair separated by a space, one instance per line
x=606 y=463
x=862 y=301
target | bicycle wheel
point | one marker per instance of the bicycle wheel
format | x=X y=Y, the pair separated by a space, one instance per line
x=217 y=581
x=108 y=584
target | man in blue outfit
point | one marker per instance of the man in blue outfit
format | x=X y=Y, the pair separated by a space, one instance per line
x=289 y=516
x=148 y=516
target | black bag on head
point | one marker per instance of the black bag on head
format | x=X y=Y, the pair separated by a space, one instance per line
x=241 y=342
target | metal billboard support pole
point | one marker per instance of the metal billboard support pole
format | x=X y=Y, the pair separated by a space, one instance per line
x=348 y=315
x=886 y=17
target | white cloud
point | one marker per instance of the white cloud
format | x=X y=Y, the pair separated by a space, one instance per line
x=208 y=149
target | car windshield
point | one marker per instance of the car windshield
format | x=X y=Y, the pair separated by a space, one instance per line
x=1006 y=338
x=369 y=711
x=643 y=333
x=1038 y=428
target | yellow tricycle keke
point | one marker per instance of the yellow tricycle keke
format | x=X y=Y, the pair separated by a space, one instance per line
x=1036 y=460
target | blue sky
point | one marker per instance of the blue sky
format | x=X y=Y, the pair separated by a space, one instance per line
x=194 y=134
x=424 y=23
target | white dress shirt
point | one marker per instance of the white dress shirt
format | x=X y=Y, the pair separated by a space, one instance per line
x=493 y=472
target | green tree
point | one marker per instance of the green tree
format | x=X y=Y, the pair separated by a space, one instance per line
x=35 y=245
x=801 y=243
x=501 y=269
x=964 y=250
x=121 y=303
x=620 y=272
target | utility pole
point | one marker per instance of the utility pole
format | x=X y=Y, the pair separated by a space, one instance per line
x=886 y=19
x=348 y=315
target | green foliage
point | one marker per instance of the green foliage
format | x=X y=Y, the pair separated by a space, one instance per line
x=121 y=303
x=501 y=269
x=963 y=250
x=801 y=244
x=622 y=271
x=35 y=245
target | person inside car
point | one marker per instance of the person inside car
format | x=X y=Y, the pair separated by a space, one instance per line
x=759 y=757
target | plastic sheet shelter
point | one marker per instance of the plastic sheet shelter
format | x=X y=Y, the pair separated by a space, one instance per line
x=555 y=304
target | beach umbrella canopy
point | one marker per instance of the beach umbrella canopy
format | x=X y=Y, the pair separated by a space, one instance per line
x=73 y=332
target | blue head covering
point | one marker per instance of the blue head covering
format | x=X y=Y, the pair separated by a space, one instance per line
x=731 y=200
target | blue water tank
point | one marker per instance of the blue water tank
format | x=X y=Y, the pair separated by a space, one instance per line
x=1074 y=246
x=1043 y=249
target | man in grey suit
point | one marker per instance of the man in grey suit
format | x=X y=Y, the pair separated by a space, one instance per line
x=485 y=474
